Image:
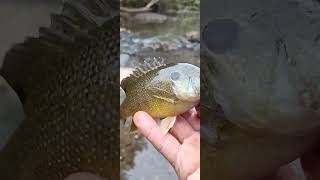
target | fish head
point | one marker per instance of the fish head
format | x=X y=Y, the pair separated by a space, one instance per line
x=185 y=80
x=186 y=83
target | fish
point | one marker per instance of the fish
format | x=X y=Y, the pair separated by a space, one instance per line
x=67 y=79
x=261 y=83
x=162 y=90
x=229 y=151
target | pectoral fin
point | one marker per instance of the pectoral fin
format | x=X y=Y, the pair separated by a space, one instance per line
x=134 y=129
x=129 y=126
x=167 y=124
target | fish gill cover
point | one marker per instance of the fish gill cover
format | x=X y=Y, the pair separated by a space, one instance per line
x=68 y=81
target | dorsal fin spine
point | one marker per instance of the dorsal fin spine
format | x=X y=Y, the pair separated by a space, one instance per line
x=140 y=72
x=66 y=29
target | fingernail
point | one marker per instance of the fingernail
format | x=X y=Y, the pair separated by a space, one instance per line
x=139 y=117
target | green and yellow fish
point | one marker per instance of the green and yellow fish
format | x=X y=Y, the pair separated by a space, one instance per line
x=162 y=90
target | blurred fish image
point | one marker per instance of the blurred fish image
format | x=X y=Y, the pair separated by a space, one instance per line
x=67 y=79
x=261 y=77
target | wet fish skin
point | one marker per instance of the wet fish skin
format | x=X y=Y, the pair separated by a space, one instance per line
x=70 y=89
x=156 y=93
x=263 y=122
x=265 y=88
x=232 y=152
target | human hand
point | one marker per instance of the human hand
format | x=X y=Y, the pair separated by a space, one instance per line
x=181 y=146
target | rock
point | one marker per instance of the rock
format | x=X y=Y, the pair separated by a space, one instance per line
x=124 y=58
x=150 y=17
x=124 y=72
x=133 y=43
x=146 y=18
x=193 y=36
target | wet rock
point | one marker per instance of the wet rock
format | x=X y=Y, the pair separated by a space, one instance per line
x=147 y=18
x=193 y=36
x=124 y=58
x=133 y=43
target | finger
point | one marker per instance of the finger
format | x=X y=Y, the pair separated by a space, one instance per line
x=181 y=129
x=192 y=118
x=195 y=175
x=166 y=144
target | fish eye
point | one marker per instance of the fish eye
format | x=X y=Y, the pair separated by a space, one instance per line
x=175 y=76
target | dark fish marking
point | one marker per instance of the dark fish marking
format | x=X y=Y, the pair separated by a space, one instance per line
x=220 y=35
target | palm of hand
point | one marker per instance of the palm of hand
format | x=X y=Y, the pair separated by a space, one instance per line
x=181 y=146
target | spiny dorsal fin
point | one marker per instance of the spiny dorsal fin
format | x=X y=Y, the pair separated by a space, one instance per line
x=147 y=66
x=72 y=27
x=79 y=17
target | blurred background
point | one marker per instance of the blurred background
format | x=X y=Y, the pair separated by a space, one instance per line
x=166 y=29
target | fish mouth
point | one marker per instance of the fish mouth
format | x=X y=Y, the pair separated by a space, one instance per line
x=193 y=93
x=195 y=89
x=189 y=97
x=194 y=98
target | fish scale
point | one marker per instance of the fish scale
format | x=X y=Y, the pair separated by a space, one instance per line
x=161 y=90
x=69 y=87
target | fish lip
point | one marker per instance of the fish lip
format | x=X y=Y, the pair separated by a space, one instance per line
x=193 y=93
x=194 y=89
x=192 y=98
